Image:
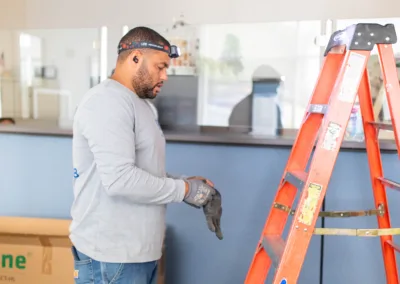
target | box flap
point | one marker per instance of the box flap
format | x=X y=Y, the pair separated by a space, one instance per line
x=34 y=226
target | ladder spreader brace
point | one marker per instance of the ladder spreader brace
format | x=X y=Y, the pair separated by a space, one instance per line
x=343 y=75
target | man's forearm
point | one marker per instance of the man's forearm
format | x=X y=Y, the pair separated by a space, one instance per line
x=142 y=187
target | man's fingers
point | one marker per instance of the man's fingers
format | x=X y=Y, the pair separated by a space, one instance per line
x=217 y=228
x=218 y=231
x=210 y=223
x=219 y=234
x=209 y=182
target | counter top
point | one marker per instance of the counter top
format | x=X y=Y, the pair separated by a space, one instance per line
x=202 y=137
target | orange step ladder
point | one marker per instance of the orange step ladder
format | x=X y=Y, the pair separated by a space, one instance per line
x=343 y=76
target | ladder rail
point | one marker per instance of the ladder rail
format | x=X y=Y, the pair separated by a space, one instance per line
x=323 y=161
x=392 y=87
x=376 y=171
x=298 y=160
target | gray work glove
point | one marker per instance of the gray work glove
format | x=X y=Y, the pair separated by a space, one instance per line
x=213 y=212
x=199 y=193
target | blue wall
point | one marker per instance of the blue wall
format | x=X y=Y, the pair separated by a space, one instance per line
x=36 y=182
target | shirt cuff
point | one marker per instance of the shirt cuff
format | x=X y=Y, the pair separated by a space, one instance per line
x=181 y=190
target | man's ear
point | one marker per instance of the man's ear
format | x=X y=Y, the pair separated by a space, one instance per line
x=136 y=56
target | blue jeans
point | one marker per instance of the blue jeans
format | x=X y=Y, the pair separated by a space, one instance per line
x=89 y=271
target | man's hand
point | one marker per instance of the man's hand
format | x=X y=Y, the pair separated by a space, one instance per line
x=198 y=192
x=213 y=212
x=209 y=182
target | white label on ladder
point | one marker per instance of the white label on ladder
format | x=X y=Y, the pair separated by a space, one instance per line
x=352 y=77
x=330 y=141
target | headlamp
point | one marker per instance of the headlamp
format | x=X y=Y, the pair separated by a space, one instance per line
x=173 y=52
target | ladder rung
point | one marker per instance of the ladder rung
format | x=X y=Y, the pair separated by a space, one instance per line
x=274 y=246
x=393 y=245
x=390 y=183
x=357 y=232
x=381 y=125
x=297 y=178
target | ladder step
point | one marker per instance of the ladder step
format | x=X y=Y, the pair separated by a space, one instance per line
x=390 y=183
x=381 y=125
x=393 y=245
x=274 y=246
x=297 y=178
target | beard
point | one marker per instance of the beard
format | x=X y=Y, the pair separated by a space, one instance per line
x=143 y=85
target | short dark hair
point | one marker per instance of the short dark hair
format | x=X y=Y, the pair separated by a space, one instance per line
x=141 y=34
x=7 y=119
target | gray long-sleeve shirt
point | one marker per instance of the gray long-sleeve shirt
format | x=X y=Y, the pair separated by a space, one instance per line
x=120 y=184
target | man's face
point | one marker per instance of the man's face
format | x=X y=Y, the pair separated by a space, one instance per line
x=151 y=74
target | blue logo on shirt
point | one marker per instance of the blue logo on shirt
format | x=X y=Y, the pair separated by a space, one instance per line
x=76 y=175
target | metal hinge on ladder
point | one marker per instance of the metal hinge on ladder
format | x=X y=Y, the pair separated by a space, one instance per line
x=338 y=214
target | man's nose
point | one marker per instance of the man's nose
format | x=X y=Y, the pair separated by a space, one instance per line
x=164 y=76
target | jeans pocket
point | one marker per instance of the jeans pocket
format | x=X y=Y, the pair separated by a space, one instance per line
x=83 y=268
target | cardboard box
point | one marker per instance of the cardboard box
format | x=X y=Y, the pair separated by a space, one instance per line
x=35 y=251
x=38 y=251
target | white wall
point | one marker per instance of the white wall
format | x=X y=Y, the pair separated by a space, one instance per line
x=12 y=14
x=96 y=13
x=10 y=92
x=7 y=38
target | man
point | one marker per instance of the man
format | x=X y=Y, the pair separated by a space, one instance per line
x=121 y=188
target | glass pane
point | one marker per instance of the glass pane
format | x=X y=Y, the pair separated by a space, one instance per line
x=46 y=72
x=236 y=57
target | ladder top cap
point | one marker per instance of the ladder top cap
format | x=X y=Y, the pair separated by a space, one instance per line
x=362 y=36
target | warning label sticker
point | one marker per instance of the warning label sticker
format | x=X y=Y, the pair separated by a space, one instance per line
x=351 y=78
x=330 y=141
x=310 y=204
